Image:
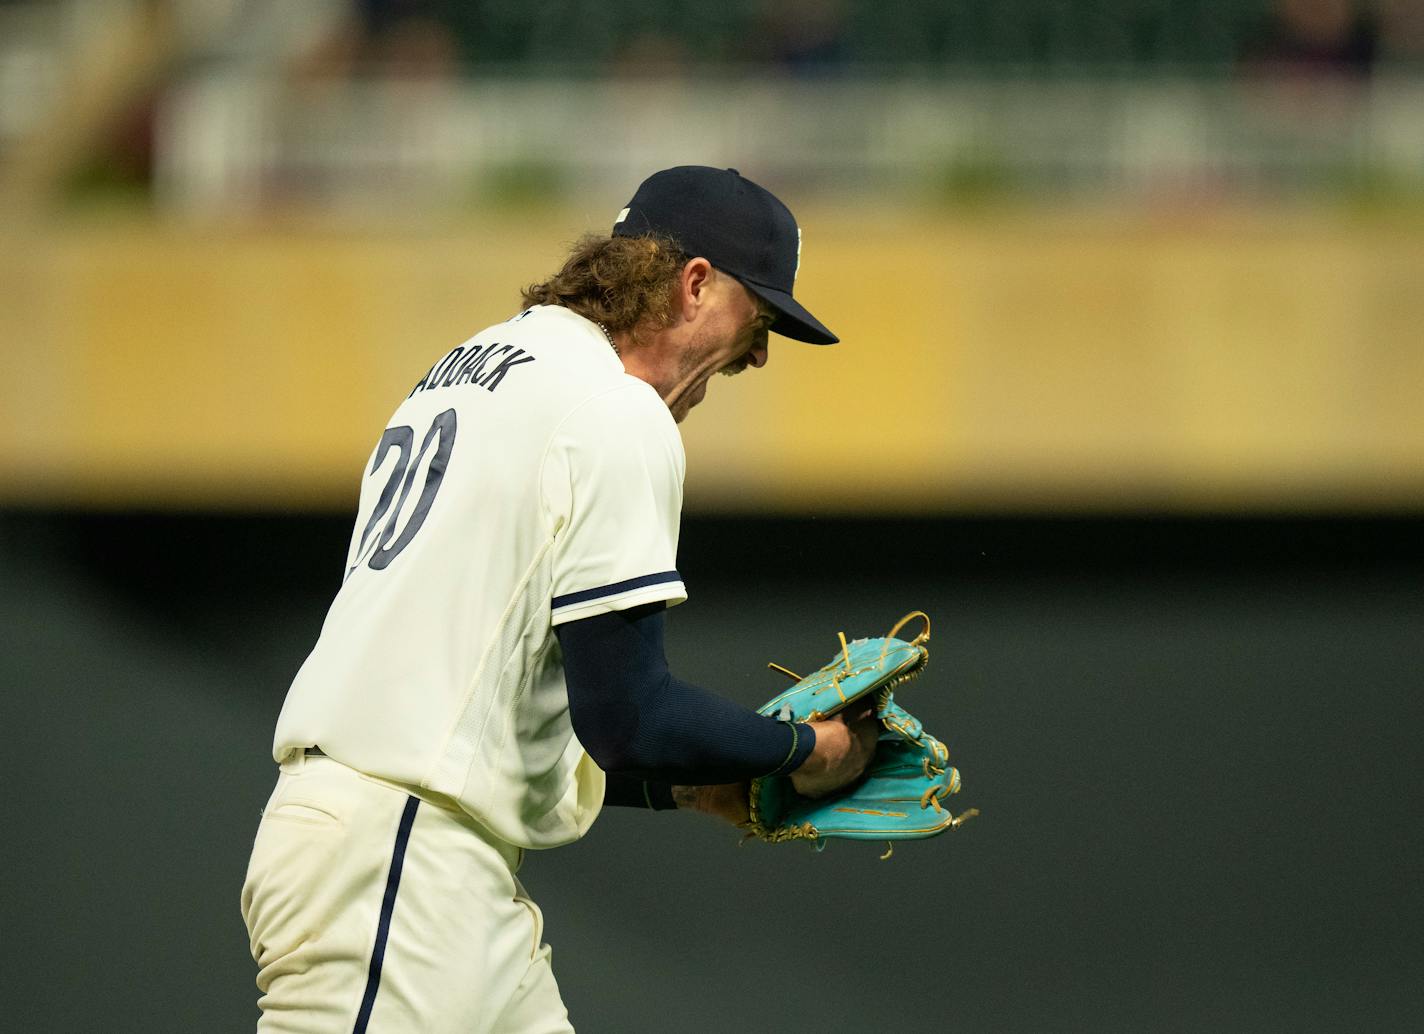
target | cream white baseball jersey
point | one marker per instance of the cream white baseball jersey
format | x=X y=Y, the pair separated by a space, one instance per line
x=526 y=481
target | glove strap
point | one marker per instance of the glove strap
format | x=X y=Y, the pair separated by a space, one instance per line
x=919 y=640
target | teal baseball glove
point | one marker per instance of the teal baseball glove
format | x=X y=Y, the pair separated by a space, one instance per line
x=901 y=795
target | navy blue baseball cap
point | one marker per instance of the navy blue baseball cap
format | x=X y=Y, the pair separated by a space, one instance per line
x=739 y=227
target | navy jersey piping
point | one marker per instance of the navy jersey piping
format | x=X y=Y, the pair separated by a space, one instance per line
x=627 y=585
x=388 y=907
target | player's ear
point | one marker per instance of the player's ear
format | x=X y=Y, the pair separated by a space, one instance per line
x=696 y=285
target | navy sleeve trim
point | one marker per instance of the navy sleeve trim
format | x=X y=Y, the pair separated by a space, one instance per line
x=803 y=742
x=627 y=585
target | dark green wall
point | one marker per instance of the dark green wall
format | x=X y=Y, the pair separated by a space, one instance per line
x=1023 y=36
x=1194 y=744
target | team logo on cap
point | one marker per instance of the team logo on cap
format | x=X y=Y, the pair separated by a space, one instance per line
x=798 y=254
x=621 y=216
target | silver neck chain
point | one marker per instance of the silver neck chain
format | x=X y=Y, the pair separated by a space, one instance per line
x=611 y=343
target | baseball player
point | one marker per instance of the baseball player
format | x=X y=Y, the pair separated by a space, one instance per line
x=491 y=672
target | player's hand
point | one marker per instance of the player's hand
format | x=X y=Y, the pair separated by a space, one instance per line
x=844 y=748
x=726 y=801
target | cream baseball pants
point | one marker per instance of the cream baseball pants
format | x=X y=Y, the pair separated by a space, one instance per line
x=370 y=910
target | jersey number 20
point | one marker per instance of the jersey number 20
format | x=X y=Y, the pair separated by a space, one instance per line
x=377 y=549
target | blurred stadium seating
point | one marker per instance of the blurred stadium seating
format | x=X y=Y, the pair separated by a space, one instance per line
x=221 y=105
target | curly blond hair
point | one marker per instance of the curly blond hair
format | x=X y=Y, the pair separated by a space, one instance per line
x=625 y=283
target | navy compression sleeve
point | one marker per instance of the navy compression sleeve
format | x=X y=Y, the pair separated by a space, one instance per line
x=625 y=791
x=636 y=719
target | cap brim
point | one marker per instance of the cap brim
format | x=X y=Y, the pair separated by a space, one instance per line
x=792 y=319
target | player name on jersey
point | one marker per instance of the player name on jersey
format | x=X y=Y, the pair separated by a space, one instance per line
x=485 y=366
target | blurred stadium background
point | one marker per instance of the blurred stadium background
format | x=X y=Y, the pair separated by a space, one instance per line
x=1131 y=295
